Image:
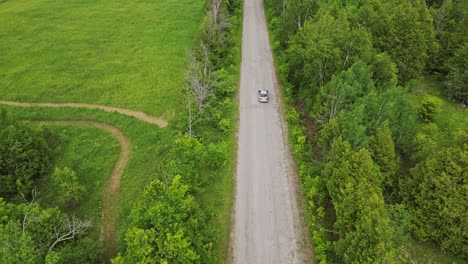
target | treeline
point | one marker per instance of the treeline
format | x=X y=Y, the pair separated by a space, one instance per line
x=371 y=176
x=29 y=232
x=169 y=224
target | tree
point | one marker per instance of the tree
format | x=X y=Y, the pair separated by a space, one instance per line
x=385 y=72
x=438 y=198
x=166 y=227
x=24 y=157
x=430 y=106
x=186 y=159
x=382 y=149
x=68 y=187
x=457 y=77
x=341 y=92
x=404 y=30
x=198 y=88
x=394 y=106
x=365 y=233
x=215 y=33
x=451 y=32
x=323 y=47
x=293 y=15
x=29 y=233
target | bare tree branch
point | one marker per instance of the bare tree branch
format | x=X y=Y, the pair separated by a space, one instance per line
x=66 y=229
x=34 y=196
x=25 y=223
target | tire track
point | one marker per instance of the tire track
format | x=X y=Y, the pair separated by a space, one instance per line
x=138 y=115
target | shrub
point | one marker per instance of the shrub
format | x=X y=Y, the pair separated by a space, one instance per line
x=430 y=106
x=69 y=189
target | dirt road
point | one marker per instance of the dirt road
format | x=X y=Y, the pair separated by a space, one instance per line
x=267 y=227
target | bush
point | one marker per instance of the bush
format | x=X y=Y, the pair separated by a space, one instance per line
x=430 y=106
x=225 y=125
x=68 y=187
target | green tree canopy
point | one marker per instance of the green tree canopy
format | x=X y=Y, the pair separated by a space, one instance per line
x=404 y=30
x=31 y=234
x=24 y=157
x=341 y=92
x=166 y=227
x=323 y=47
x=382 y=149
x=438 y=195
x=363 y=224
x=457 y=78
x=186 y=159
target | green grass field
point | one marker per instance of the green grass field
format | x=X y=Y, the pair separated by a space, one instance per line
x=130 y=54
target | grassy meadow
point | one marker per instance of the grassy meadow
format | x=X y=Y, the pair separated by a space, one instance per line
x=130 y=54
x=451 y=117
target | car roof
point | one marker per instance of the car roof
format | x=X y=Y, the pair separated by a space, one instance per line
x=263 y=91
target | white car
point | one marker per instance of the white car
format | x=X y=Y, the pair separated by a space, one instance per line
x=263 y=96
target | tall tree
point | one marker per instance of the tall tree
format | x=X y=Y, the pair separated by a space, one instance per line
x=382 y=150
x=451 y=32
x=293 y=15
x=29 y=233
x=385 y=72
x=24 y=157
x=404 y=30
x=438 y=197
x=365 y=233
x=323 y=47
x=186 y=159
x=457 y=78
x=166 y=227
x=341 y=92
x=68 y=186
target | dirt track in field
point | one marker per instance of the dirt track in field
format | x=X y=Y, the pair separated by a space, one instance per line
x=109 y=214
x=139 y=115
x=108 y=234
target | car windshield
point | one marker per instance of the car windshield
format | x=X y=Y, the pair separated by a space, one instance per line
x=263 y=95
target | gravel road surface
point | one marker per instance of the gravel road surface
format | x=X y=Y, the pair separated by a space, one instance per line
x=267 y=228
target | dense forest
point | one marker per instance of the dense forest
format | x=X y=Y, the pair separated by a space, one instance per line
x=377 y=168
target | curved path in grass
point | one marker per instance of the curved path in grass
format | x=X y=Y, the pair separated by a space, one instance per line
x=139 y=115
x=108 y=233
